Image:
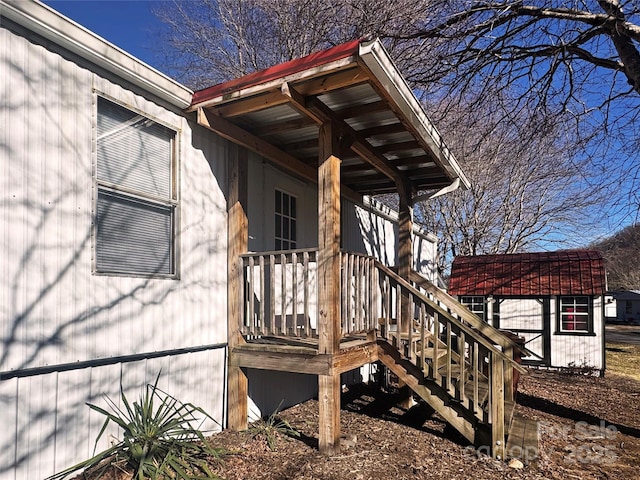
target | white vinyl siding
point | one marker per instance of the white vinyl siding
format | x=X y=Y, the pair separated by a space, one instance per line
x=135 y=216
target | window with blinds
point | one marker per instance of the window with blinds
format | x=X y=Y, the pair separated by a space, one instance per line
x=136 y=204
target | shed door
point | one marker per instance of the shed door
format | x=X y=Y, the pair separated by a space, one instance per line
x=529 y=318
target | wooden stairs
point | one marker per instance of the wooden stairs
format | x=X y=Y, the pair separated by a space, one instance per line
x=460 y=366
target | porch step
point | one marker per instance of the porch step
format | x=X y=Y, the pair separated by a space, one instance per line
x=434 y=395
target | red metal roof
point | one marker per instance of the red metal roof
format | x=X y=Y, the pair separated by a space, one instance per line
x=278 y=71
x=567 y=272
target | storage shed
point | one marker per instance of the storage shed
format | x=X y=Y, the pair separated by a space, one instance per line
x=552 y=299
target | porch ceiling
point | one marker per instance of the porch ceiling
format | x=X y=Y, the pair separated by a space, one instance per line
x=385 y=137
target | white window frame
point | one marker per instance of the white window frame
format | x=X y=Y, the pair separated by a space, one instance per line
x=167 y=202
x=284 y=239
x=574 y=316
x=475 y=304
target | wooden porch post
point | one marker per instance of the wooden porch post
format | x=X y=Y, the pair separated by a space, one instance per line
x=329 y=285
x=405 y=264
x=405 y=250
x=238 y=243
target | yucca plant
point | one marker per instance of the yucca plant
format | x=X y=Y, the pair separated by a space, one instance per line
x=159 y=440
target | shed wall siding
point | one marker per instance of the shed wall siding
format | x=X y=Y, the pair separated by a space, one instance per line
x=54 y=311
x=521 y=314
x=579 y=349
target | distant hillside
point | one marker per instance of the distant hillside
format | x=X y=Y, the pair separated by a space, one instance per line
x=621 y=253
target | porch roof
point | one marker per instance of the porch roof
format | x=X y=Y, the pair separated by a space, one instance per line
x=385 y=137
x=567 y=272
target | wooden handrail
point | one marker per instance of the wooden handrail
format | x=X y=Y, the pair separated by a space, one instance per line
x=472 y=332
x=489 y=331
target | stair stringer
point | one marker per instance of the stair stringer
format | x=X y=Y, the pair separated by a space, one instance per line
x=454 y=413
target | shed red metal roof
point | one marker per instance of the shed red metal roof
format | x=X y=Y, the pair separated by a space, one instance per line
x=567 y=272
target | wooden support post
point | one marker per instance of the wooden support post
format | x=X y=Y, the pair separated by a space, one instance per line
x=497 y=407
x=405 y=254
x=238 y=243
x=405 y=263
x=329 y=320
x=509 y=390
x=329 y=410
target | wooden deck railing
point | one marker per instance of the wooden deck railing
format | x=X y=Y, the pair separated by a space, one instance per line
x=280 y=295
x=452 y=347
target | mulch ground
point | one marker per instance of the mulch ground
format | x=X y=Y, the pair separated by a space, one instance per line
x=589 y=429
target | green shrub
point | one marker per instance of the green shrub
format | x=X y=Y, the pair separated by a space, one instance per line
x=158 y=441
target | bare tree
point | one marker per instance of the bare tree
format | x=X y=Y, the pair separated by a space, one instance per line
x=575 y=60
x=527 y=112
x=524 y=195
x=209 y=41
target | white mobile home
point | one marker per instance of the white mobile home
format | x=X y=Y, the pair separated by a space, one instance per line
x=212 y=237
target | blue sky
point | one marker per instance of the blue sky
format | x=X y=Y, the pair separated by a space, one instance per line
x=128 y=24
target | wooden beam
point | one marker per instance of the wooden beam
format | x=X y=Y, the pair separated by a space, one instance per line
x=361 y=110
x=252 y=104
x=284 y=160
x=360 y=145
x=355 y=357
x=398 y=147
x=238 y=243
x=323 y=84
x=297 y=101
x=282 y=361
x=237 y=135
x=382 y=130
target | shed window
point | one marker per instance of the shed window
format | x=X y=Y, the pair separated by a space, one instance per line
x=575 y=314
x=136 y=201
x=285 y=221
x=475 y=304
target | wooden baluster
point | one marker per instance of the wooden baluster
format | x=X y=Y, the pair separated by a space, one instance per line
x=375 y=289
x=272 y=294
x=423 y=338
x=294 y=290
x=305 y=280
x=449 y=358
x=509 y=390
x=436 y=346
x=344 y=262
x=357 y=293
x=387 y=316
x=243 y=294
x=283 y=294
x=410 y=352
x=262 y=296
x=251 y=296
x=463 y=365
